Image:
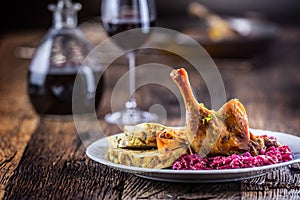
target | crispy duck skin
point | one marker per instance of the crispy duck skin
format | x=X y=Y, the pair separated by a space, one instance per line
x=209 y=132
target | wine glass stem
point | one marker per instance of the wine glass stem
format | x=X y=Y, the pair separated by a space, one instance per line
x=131 y=103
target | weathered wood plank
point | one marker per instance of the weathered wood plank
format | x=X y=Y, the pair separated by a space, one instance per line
x=139 y=188
x=17 y=120
x=56 y=167
x=282 y=184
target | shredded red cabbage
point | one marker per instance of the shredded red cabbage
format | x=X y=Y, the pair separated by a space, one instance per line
x=271 y=156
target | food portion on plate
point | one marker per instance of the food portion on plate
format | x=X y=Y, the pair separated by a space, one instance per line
x=209 y=140
x=148 y=145
x=273 y=154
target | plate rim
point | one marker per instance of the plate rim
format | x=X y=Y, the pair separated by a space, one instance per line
x=142 y=172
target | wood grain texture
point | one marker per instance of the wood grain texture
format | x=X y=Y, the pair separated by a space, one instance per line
x=56 y=167
x=45 y=159
x=17 y=121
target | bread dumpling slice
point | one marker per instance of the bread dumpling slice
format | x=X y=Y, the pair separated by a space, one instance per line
x=141 y=136
x=147 y=145
x=162 y=157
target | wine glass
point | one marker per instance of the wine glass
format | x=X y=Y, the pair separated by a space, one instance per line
x=136 y=17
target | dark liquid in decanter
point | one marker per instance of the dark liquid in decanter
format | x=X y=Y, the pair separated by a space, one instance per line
x=54 y=95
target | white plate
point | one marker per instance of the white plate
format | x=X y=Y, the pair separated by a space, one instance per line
x=97 y=150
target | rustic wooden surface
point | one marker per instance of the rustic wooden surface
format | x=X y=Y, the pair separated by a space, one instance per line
x=42 y=158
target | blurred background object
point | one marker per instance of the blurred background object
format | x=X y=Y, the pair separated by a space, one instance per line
x=217 y=27
x=276 y=10
x=233 y=37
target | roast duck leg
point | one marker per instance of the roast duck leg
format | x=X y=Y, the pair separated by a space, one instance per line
x=222 y=132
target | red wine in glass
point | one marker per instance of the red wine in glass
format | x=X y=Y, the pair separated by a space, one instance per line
x=129 y=23
x=135 y=38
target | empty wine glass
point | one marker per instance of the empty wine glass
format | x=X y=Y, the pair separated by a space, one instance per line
x=124 y=15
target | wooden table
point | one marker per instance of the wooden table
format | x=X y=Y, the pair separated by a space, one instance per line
x=42 y=159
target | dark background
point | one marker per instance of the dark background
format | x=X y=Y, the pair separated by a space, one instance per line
x=33 y=14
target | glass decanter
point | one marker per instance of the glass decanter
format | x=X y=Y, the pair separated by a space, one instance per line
x=56 y=64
